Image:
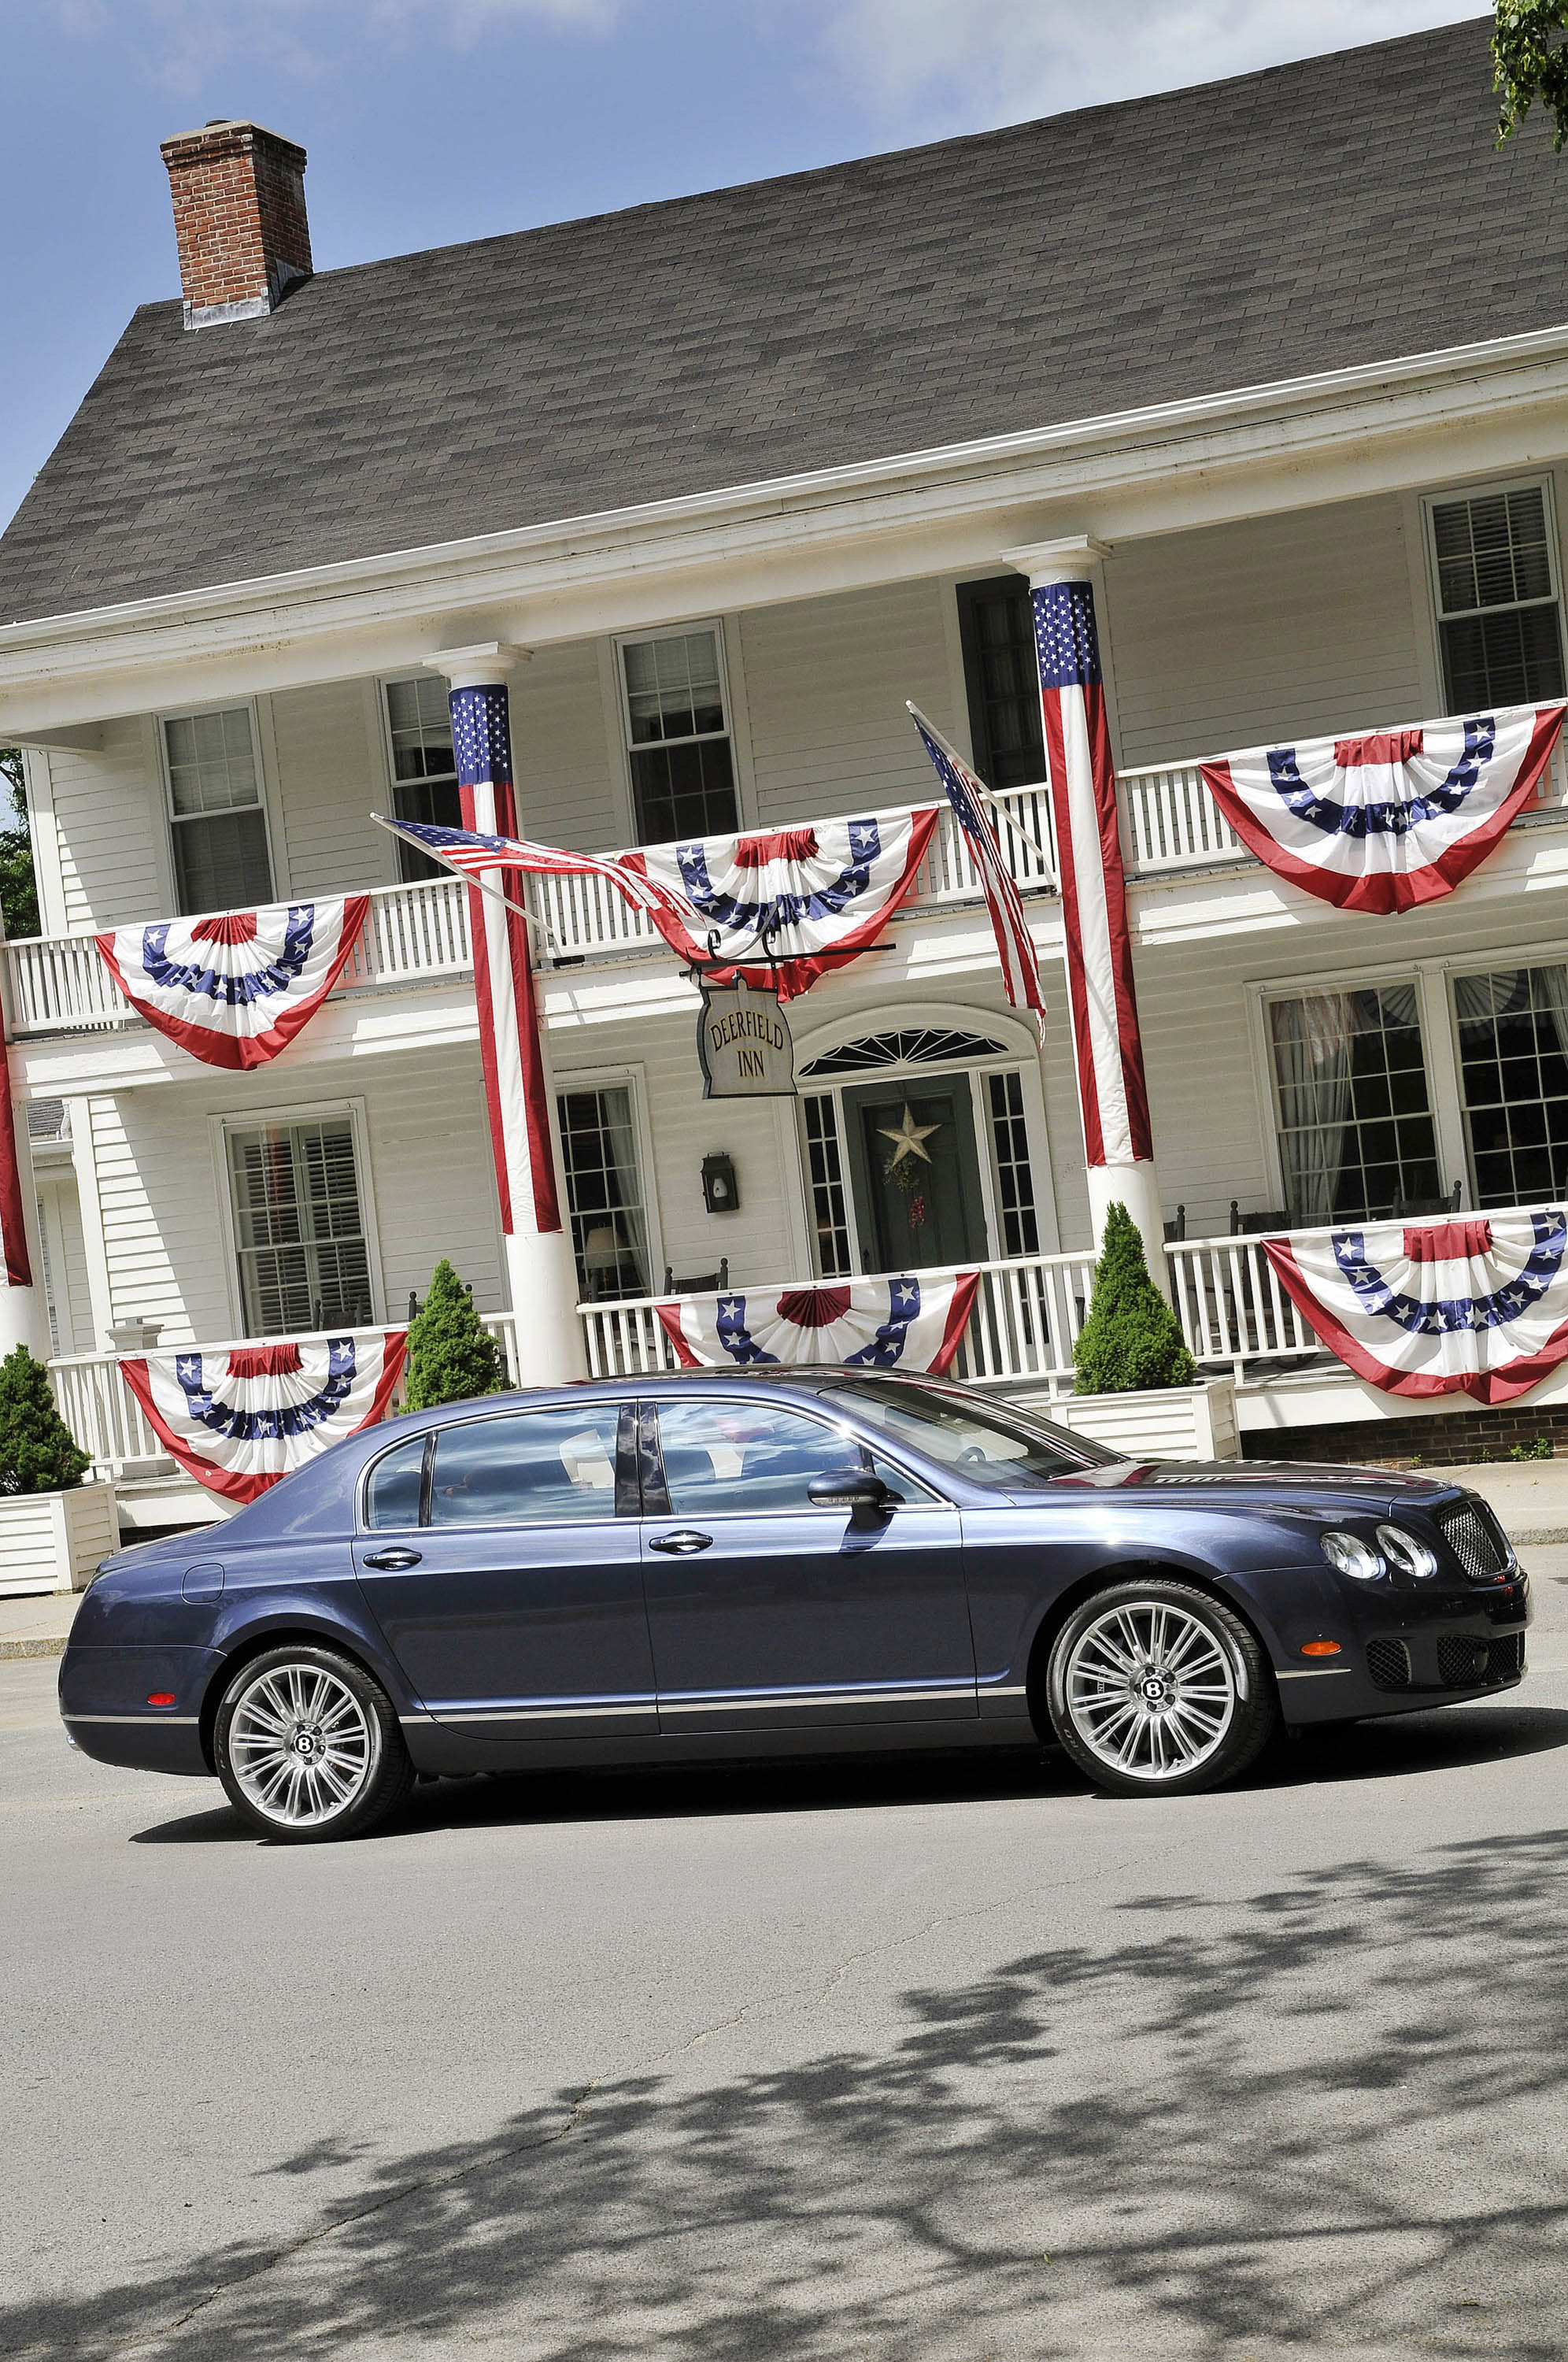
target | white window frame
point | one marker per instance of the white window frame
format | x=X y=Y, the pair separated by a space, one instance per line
x=730 y=691
x=293 y=1111
x=632 y=1079
x=1020 y=1059
x=1487 y=487
x=172 y=821
x=383 y=682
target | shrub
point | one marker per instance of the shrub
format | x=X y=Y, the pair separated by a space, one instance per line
x=450 y=1357
x=38 y=1451
x=1539 y=1447
x=1132 y=1337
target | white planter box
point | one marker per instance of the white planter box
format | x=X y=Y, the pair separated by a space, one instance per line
x=52 y=1541
x=1167 y=1423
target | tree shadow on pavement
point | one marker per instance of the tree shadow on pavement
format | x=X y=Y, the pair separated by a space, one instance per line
x=1325 y=2117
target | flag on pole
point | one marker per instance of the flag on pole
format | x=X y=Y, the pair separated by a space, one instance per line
x=1392 y=819
x=1108 y=1051
x=1015 y=945
x=515 y=1085
x=474 y=856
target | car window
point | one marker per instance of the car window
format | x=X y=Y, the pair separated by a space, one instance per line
x=1008 y=1453
x=729 y=1453
x=391 y=1496
x=526 y=1467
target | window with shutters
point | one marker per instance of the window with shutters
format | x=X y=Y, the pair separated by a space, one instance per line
x=424 y=768
x=676 y=713
x=299 y=1227
x=216 y=814
x=996 y=627
x=1495 y=572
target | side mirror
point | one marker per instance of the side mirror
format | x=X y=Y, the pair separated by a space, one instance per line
x=855 y=1489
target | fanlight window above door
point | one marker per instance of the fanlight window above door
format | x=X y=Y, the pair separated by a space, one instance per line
x=931 y=1045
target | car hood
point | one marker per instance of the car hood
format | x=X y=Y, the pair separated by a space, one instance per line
x=1267 y=1485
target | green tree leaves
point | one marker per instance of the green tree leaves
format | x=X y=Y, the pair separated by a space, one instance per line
x=1531 y=62
x=450 y=1357
x=1132 y=1337
x=38 y=1451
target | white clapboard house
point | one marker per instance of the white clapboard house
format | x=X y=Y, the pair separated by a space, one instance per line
x=726 y=481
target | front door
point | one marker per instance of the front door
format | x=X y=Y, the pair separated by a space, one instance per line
x=502 y=1565
x=915 y=1172
x=767 y=1614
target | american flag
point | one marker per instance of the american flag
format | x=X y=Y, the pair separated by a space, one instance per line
x=474 y=854
x=1015 y=947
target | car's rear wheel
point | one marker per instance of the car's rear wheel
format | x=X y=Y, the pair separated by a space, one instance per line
x=307 y=1746
x=1156 y=1688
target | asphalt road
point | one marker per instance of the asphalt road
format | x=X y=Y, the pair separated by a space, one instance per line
x=934 y=2060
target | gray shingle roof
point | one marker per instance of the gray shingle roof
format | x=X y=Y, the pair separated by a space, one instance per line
x=1345 y=209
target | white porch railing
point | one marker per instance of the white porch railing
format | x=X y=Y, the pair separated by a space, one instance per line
x=1232 y=1309
x=1028 y=1312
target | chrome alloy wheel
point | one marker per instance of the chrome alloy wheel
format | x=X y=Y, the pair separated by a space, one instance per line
x=301 y=1745
x=1150 y=1691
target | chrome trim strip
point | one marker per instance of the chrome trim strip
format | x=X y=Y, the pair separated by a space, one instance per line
x=151 y=1714
x=1009 y=1689
x=1310 y=1673
x=739 y=1700
x=527 y=1712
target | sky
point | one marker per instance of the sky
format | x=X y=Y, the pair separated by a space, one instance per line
x=430 y=121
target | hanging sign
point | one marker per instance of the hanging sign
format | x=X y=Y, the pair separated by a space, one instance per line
x=744 y=1043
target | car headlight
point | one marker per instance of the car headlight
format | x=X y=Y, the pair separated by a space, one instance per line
x=1352 y=1555
x=1407 y=1554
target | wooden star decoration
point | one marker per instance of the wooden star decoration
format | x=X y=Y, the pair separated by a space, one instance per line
x=907 y=1138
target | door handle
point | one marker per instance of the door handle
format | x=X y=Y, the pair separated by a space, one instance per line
x=392 y=1561
x=682 y=1543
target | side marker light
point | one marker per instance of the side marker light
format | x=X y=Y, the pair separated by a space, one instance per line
x=1320 y=1648
x=161 y=1697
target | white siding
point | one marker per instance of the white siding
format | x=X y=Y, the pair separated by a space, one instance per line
x=59 y=1222
x=330 y=775
x=111 y=829
x=1277 y=627
x=825 y=683
x=568 y=766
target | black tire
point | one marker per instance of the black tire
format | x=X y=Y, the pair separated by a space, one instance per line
x=308 y=1748
x=1209 y=1716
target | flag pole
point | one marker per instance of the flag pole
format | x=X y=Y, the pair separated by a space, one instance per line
x=518 y=909
x=954 y=756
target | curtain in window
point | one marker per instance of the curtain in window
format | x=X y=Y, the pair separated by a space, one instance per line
x=1553 y=983
x=1312 y=1062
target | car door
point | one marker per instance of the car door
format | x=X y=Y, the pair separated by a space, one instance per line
x=767 y=1613
x=501 y=1560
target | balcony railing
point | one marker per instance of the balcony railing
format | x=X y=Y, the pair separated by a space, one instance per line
x=417 y=934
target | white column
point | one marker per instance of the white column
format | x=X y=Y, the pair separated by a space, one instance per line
x=1077 y=697
x=540 y=1267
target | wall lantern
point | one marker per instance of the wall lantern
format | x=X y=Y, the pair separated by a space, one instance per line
x=720 y=1192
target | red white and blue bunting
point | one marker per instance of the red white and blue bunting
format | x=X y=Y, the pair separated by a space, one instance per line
x=241 y=1419
x=905 y=1322
x=1391 y=820
x=1476 y=1305
x=818 y=893
x=234 y=989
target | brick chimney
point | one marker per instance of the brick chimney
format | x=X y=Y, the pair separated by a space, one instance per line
x=239 y=220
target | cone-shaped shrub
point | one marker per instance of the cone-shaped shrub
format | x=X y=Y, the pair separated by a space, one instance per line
x=450 y=1357
x=38 y=1451
x=1132 y=1337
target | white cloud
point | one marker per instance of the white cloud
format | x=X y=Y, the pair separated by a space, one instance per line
x=949 y=64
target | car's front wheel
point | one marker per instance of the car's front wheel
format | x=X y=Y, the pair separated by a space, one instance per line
x=1156 y=1688
x=307 y=1746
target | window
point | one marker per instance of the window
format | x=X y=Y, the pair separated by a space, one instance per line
x=824 y=1163
x=741 y=1455
x=424 y=770
x=1015 y=1183
x=1496 y=597
x=677 y=738
x=219 y=827
x=1355 y=1127
x=1513 y=1066
x=304 y=1256
x=928 y=1045
x=1015 y=1452
x=532 y=1467
x=604 y=1192
x=996 y=627
x=392 y=1496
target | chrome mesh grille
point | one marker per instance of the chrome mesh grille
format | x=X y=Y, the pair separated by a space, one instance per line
x=1472 y=1534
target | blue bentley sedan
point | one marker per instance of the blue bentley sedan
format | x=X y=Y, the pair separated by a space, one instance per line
x=783 y=1562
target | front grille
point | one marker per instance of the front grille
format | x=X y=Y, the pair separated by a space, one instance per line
x=1462 y=1663
x=1388 y=1662
x=1473 y=1535
x=1506 y=1658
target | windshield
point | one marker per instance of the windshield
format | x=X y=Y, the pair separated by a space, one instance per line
x=1010 y=1450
